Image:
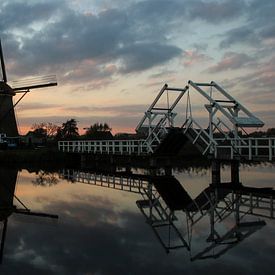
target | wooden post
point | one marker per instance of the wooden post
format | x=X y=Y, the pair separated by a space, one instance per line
x=235 y=178
x=168 y=171
x=216 y=172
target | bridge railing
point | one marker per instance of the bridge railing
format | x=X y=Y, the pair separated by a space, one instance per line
x=200 y=136
x=119 y=147
x=122 y=183
x=250 y=148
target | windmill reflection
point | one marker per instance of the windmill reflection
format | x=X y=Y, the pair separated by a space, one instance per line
x=234 y=212
x=8 y=178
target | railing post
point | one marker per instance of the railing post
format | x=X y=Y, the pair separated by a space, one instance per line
x=235 y=172
x=250 y=149
x=270 y=149
x=216 y=172
x=121 y=147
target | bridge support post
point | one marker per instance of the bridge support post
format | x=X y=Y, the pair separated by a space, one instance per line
x=216 y=172
x=235 y=178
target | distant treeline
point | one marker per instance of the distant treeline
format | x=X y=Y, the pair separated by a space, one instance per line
x=270 y=132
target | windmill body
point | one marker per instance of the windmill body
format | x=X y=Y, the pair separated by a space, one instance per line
x=8 y=125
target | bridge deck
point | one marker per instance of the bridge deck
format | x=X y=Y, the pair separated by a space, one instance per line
x=254 y=149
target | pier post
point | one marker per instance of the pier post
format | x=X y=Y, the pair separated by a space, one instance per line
x=83 y=160
x=168 y=171
x=216 y=172
x=235 y=178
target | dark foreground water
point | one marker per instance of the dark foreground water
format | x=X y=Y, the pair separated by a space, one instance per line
x=102 y=230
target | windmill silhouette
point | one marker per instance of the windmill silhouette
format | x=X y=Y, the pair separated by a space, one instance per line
x=8 y=125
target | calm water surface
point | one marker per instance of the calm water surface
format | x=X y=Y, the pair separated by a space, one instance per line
x=102 y=230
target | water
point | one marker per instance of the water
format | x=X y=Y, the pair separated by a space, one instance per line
x=102 y=230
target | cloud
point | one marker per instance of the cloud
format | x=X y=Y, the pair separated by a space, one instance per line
x=243 y=34
x=37 y=106
x=123 y=111
x=216 y=11
x=258 y=25
x=231 y=61
x=142 y=56
x=68 y=40
x=18 y=14
x=263 y=77
x=194 y=57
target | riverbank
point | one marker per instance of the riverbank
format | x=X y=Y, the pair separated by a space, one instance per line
x=51 y=157
x=37 y=156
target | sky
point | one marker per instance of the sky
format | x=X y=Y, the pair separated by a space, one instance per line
x=112 y=57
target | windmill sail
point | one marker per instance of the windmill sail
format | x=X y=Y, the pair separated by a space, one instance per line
x=4 y=75
x=33 y=83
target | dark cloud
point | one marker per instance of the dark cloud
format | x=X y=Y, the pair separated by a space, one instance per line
x=244 y=34
x=262 y=78
x=19 y=14
x=231 y=61
x=145 y=55
x=111 y=36
x=261 y=13
x=216 y=11
x=259 y=25
x=133 y=38
x=268 y=32
x=152 y=19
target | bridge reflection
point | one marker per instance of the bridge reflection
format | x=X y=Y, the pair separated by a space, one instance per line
x=233 y=211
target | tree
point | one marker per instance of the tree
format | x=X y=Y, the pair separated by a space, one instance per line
x=46 y=129
x=40 y=133
x=97 y=127
x=68 y=129
x=270 y=132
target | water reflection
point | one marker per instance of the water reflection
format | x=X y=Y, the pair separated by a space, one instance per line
x=101 y=229
x=45 y=178
x=234 y=211
x=8 y=178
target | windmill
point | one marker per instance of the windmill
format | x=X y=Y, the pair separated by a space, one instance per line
x=8 y=125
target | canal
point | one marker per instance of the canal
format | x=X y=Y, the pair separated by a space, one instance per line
x=118 y=222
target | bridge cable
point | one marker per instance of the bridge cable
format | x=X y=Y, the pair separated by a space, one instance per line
x=167 y=95
x=188 y=106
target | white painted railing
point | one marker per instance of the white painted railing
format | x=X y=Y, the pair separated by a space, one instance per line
x=249 y=148
x=118 y=147
x=209 y=143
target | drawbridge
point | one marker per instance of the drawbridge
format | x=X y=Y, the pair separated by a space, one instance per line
x=219 y=130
